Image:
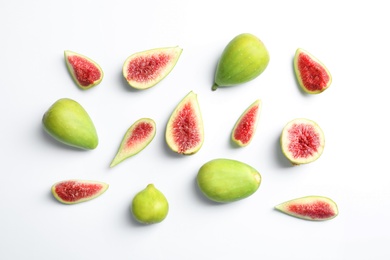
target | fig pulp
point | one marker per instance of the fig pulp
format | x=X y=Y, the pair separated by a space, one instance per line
x=76 y=191
x=137 y=137
x=245 y=127
x=68 y=122
x=184 y=131
x=226 y=180
x=85 y=72
x=302 y=141
x=310 y=208
x=150 y=206
x=145 y=69
x=243 y=59
x=313 y=77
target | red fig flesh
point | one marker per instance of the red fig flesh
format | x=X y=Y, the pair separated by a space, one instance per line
x=310 y=208
x=245 y=127
x=137 y=137
x=312 y=75
x=76 y=191
x=184 y=132
x=85 y=72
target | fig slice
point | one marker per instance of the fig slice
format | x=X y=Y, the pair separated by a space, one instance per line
x=85 y=72
x=302 y=141
x=76 y=191
x=313 y=77
x=184 y=132
x=245 y=127
x=137 y=137
x=145 y=69
x=315 y=208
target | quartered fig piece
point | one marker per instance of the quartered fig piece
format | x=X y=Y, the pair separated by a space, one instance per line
x=145 y=69
x=184 y=132
x=76 y=191
x=137 y=137
x=245 y=127
x=243 y=59
x=226 y=180
x=310 y=208
x=85 y=72
x=312 y=75
x=302 y=141
x=68 y=122
x=150 y=206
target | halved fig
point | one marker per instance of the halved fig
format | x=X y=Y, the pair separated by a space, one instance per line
x=245 y=127
x=310 y=208
x=312 y=75
x=76 y=191
x=137 y=137
x=85 y=72
x=184 y=133
x=302 y=141
x=145 y=69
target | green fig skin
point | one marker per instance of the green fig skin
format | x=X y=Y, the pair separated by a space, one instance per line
x=243 y=59
x=150 y=206
x=68 y=122
x=226 y=180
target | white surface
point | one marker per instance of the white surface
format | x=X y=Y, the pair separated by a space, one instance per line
x=351 y=39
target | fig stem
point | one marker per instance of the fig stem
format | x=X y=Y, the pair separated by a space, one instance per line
x=214 y=87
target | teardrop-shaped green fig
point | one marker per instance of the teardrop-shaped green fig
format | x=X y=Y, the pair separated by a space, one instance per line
x=85 y=72
x=245 y=128
x=243 y=59
x=312 y=75
x=137 y=137
x=68 y=122
x=315 y=208
x=150 y=206
x=184 y=132
x=145 y=69
x=226 y=180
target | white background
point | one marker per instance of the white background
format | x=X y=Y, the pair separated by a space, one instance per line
x=349 y=37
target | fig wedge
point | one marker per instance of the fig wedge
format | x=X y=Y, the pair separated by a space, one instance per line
x=76 y=191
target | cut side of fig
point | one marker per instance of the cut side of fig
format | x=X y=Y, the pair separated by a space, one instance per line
x=76 y=191
x=245 y=128
x=137 y=137
x=85 y=72
x=184 y=131
x=145 y=69
x=302 y=141
x=315 y=208
x=313 y=77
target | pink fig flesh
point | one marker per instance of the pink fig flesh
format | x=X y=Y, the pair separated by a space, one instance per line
x=245 y=127
x=85 y=72
x=137 y=137
x=310 y=208
x=313 y=77
x=76 y=191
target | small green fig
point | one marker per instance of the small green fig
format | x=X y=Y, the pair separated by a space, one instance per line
x=243 y=59
x=150 y=206
x=68 y=122
x=226 y=180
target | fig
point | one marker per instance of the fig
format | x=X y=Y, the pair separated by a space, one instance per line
x=226 y=180
x=68 y=122
x=184 y=132
x=243 y=59
x=150 y=206
x=85 y=72
x=313 y=77
x=310 y=208
x=145 y=69
x=137 y=137
x=76 y=191
x=302 y=141
x=245 y=127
